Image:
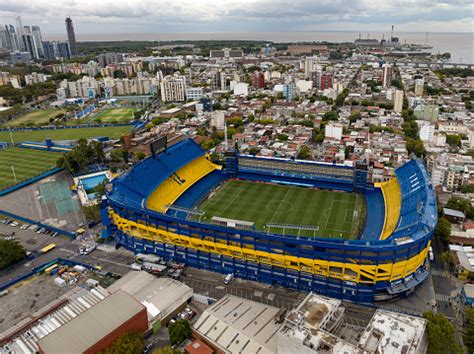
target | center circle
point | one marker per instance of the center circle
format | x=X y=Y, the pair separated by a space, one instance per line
x=279 y=206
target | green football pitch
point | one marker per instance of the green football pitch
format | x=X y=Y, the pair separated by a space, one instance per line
x=26 y=164
x=114 y=115
x=35 y=118
x=64 y=134
x=333 y=214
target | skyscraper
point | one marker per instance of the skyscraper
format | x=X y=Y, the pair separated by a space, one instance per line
x=36 y=32
x=386 y=75
x=398 y=104
x=19 y=33
x=71 y=36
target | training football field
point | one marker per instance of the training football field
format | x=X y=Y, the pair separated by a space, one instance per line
x=26 y=164
x=114 y=115
x=333 y=214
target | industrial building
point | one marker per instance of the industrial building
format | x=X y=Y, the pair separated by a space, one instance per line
x=98 y=327
x=236 y=325
x=162 y=297
x=24 y=337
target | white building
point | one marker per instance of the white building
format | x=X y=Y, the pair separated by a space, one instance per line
x=173 y=88
x=398 y=104
x=310 y=65
x=311 y=328
x=304 y=86
x=426 y=131
x=194 y=93
x=419 y=83
x=35 y=78
x=217 y=120
x=240 y=88
x=387 y=75
x=334 y=131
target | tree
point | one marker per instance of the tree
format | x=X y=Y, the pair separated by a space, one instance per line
x=331 y=115
x=461 y=204
x=179 y=331
x=441 y=334
x=416 y=147
x=469 y=336
x=282 y=137
x=453 y=140
x=11 y=252
x=119 y=74
x=140 y=155
x=304 y=153
x=166 y=350
x=92 y=212
x=443 y=230
x=99 y=150
x=129 y=342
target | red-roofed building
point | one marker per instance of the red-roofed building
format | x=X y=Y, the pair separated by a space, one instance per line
x=198 y=347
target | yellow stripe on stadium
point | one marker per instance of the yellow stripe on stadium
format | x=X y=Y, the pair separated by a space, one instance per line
x=360 y=273
x=393 y=202
x=175 y=185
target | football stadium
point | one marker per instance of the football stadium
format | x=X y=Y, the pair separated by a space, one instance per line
x=304 y=225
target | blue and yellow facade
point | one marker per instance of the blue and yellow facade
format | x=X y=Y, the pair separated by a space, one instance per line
x=364 y=270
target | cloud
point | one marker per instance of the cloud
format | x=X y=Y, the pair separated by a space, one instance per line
x=120 y=16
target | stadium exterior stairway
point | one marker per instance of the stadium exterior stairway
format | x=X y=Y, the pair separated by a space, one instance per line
x=393 y=201
x=175 y=185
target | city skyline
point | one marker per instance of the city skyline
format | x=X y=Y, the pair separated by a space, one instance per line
x=243 y=16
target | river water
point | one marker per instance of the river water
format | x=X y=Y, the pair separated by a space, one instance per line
x=460 y=45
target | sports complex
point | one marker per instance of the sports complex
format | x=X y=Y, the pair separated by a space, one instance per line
x=305 y=225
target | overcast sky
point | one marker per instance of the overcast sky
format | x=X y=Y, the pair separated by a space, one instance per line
x=160 y=16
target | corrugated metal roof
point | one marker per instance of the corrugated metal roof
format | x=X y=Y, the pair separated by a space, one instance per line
x=90 y=326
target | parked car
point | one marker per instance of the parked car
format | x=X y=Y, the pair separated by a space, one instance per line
x=228 y=278
x=24 y=226
x=40 y=230
x=14 y=224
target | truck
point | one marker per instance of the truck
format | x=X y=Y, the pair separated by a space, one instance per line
x=150 y=258
x=154 y=268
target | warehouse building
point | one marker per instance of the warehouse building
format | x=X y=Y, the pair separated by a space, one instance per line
x=162 y=297
x=98 y=327
x=24 y=336
x=236 y=325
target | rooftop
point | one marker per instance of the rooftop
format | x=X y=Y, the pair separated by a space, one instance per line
x=391 y=332
x=92 y=325
x=238 y=325
x=160 y=296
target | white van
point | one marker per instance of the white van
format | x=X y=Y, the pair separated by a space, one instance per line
x=228 y=278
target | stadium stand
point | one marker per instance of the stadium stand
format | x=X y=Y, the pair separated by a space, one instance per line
x=177 y=183
x=392 y=198
x=364 y=270
x=375 y=215
x=199 y=190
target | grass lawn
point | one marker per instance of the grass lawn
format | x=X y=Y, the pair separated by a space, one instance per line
x=334 y=213
x=27 y=164
x=65 y=134
x=34 y=118
x=114 y=115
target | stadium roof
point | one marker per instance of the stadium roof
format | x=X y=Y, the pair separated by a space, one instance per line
x=92 y=325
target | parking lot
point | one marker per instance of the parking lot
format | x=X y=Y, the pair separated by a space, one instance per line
x=28 y=297
x=49 y=200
